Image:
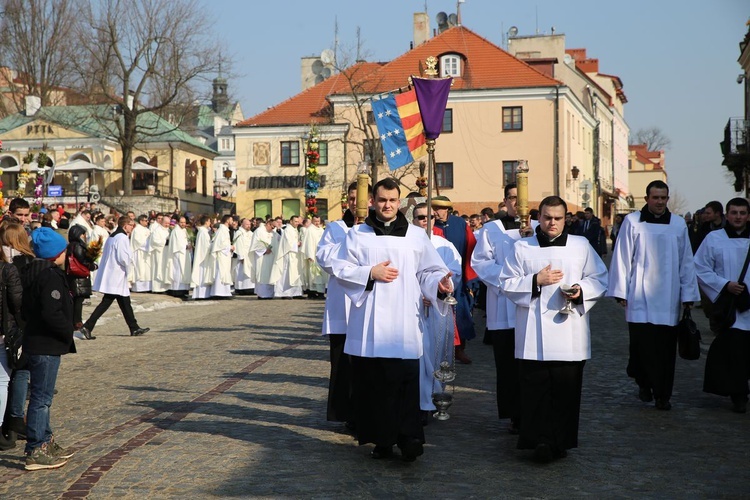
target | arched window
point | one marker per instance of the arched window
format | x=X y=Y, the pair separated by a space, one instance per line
x=80 y=156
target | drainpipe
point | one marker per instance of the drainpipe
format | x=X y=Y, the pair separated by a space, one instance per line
x=556 y=159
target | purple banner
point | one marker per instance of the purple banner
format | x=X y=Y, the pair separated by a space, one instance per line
x=432 y=96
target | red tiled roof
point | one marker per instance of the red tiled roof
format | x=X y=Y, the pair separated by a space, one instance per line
x=484 y=66
x=311 y=104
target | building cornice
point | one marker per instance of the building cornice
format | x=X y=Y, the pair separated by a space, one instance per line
x=258 y=131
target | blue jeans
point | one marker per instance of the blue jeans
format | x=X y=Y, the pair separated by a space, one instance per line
x=19 y=387
x=43 y=369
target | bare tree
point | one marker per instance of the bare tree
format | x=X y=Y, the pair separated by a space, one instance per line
x=677 y=203
x=148 y=56
x=653 y=137
x=35 y=41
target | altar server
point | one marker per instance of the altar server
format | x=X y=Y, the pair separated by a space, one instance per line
x=139 y=239
x=244 y=281
x=202 y=275
x=552 y=347
x=263 y=246
x=652 y=273
x=180 y=266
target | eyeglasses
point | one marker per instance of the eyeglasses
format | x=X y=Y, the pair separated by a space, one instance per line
x=423 y=217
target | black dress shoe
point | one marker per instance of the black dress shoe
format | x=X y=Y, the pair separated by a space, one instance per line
x=543 y=453
x=138 y=332
x=739 y=404
x=86 y=333
x=645 y=395
x=663 y=404
x=382 y=452
x=411 y=449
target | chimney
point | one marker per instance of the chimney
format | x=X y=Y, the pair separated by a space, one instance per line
x=33 y=104
x=421 y=28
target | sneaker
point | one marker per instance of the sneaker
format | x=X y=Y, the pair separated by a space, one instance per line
x=40 y=458
x=58 y=451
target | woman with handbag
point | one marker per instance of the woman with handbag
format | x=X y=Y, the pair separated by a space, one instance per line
x=78 y=267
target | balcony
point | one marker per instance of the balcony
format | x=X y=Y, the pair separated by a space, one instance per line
x=736 y=150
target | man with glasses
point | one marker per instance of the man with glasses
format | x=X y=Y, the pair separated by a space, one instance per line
x=458 y=232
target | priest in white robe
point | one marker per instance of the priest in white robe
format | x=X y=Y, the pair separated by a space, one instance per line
x=159 y=256
x=180 y=265
x=438 y=341
x=263 y=246
x=719 y=262
x=202 y=273
x=386 y=265
x=139 y=240
x=221 y=252
x=289 y=284
x=652 y=274
x=315 y=279
x=244 y=281
x=552 y=346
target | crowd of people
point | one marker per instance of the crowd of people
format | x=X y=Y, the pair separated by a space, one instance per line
x=385 y=283
x=53 y=260
x=540 y=283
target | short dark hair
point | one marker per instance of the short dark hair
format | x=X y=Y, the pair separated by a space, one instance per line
x=738 y=202
x=715 y=206
x=419 y=206
x=353 y=187
x=388 y=184
x=17 y=203
x=656 y=185
x=123 y=220
x=203 y=219
x=488 y=212
x=553 y=201
x=142 y=217
x=588 y=209
x=510 y=186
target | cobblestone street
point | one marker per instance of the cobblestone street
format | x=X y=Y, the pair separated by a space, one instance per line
x=227 y=398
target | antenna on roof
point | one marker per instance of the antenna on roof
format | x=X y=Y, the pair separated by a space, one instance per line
x=359 y=42
x=335 y=37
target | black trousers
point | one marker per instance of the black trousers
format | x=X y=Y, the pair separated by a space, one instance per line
x=653 y=350
x=386 y=395
x=340 y=382
x=78 y=309
x=550 y=403
x=728 y=364
x=125 y=307
x=506 y=369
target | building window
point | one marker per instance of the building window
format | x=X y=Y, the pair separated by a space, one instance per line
x=509 y=172
x=289 y=208
x=444 y=175
x=370 y=118
x=226 y=144
x=448 y=121
x=262 y=208
x=322 y=205
x=450 y=65
x=373 y=151
x=323 y=152
x=513 y=118
x=290 y=153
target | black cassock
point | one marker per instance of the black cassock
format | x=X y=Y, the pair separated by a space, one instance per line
x=728 y=364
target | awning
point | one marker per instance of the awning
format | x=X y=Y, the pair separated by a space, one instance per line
x=77 y=166
x=139 y=166
x=17 y=168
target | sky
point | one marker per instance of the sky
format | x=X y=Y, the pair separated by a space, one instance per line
x=677 y=58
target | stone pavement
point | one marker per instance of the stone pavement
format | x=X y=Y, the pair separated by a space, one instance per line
x=227 y=398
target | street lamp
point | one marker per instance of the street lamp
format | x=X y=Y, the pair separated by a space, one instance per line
x=75 y=188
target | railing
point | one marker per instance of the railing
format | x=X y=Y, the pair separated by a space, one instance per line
x=736 y=137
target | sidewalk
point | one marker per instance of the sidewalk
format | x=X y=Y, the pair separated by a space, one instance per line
x=227 y=398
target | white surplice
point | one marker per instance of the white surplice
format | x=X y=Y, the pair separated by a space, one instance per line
x=221 y=251
x=314 y=277
x=652 y=268
x=337 y=303
x=542 y=332
x=718 y=261
x=245 y=273
x=265 y=253
x=117 y=258
x=139 y=240
x=202 y=275
x=287 y=264
x=385 y=321
x=159 y=257
x=180 y=267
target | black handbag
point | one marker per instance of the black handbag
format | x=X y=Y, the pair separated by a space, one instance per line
x=80 y=287
x=724 y=308
x=688 y=337
x=13 y=334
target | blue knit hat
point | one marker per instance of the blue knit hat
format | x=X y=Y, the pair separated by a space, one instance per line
x=47 y=243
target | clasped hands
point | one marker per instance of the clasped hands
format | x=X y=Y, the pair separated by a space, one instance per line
x=549 y=276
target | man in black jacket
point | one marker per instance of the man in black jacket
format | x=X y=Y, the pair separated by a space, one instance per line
x=48 y=311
